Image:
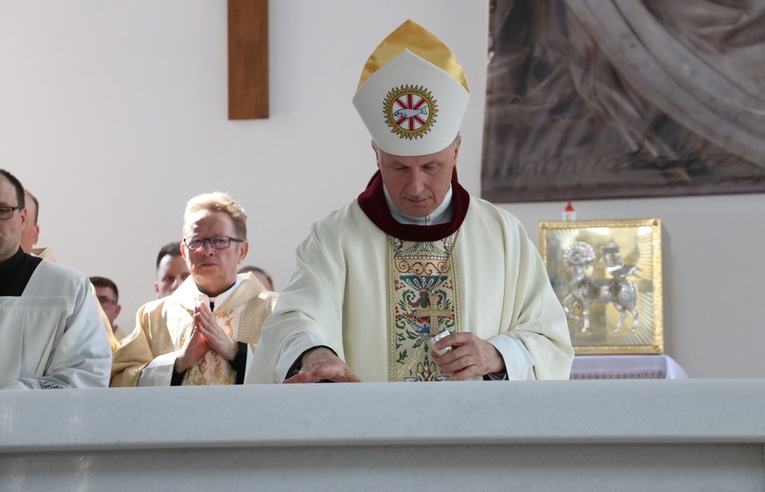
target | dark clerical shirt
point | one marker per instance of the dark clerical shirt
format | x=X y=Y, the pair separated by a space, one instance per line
x=15 y=273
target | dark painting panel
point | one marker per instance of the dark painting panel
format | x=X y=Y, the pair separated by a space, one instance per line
x=570 y=116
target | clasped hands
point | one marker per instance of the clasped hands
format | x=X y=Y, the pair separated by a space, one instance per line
x=205 y=335
x=469 y=356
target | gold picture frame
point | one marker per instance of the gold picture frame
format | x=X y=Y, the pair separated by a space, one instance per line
x=608 y=276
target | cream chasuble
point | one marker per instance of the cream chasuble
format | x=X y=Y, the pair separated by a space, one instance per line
x=147 y=357
x=374 y=297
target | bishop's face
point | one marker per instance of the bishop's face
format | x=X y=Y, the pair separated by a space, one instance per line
x=10 y=229
x=417 y=185
x=214 y=270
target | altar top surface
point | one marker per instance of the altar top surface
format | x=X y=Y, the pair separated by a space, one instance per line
x=602 y=411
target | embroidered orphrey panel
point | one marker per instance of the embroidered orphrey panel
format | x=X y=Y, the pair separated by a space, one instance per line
x=422 y=293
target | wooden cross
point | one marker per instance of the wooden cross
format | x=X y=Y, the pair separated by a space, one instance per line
x=433 y=314
x=247 y=59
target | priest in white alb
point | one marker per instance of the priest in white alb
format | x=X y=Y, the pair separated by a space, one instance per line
x=50 y=329
x=415 y=280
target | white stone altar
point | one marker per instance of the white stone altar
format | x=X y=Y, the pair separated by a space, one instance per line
x=656 y=435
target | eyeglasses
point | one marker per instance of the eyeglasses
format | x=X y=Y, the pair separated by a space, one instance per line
x=7 y=212
x=217 y=242
x=105 y=301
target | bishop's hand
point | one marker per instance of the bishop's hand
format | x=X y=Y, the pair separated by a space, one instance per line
x=321 y=364
x=469 y=356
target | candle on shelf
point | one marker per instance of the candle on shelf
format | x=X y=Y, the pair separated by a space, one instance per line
x=569 y=213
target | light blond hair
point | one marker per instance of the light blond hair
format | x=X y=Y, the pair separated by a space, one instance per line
x=218 y=202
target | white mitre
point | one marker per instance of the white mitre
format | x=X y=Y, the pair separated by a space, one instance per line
x=413 y=93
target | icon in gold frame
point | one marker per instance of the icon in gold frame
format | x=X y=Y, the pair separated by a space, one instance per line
x=608 y=276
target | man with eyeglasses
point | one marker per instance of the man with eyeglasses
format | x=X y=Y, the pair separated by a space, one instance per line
x=206 y=331
x=108 y=296
x=51 y=332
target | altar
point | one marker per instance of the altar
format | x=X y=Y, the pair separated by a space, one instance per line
x=657 y=435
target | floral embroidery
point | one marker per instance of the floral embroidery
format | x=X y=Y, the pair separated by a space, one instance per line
x=422 y=293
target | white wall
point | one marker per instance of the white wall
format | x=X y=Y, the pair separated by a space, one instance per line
x=115 y=113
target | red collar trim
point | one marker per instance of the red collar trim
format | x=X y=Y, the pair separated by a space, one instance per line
x=372 y=202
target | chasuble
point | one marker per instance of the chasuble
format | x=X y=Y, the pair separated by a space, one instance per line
x=375 y=291
x=147 y=356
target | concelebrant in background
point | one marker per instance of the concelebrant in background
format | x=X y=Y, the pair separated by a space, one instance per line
x=205 y=332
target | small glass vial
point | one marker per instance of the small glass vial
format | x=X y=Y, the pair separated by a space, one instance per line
x=436 y=338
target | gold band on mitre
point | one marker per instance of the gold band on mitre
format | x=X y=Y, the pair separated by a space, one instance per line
x=423 y=43
x=412 y=93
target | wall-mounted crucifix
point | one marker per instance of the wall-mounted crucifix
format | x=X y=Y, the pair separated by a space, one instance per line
x=247 y=59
